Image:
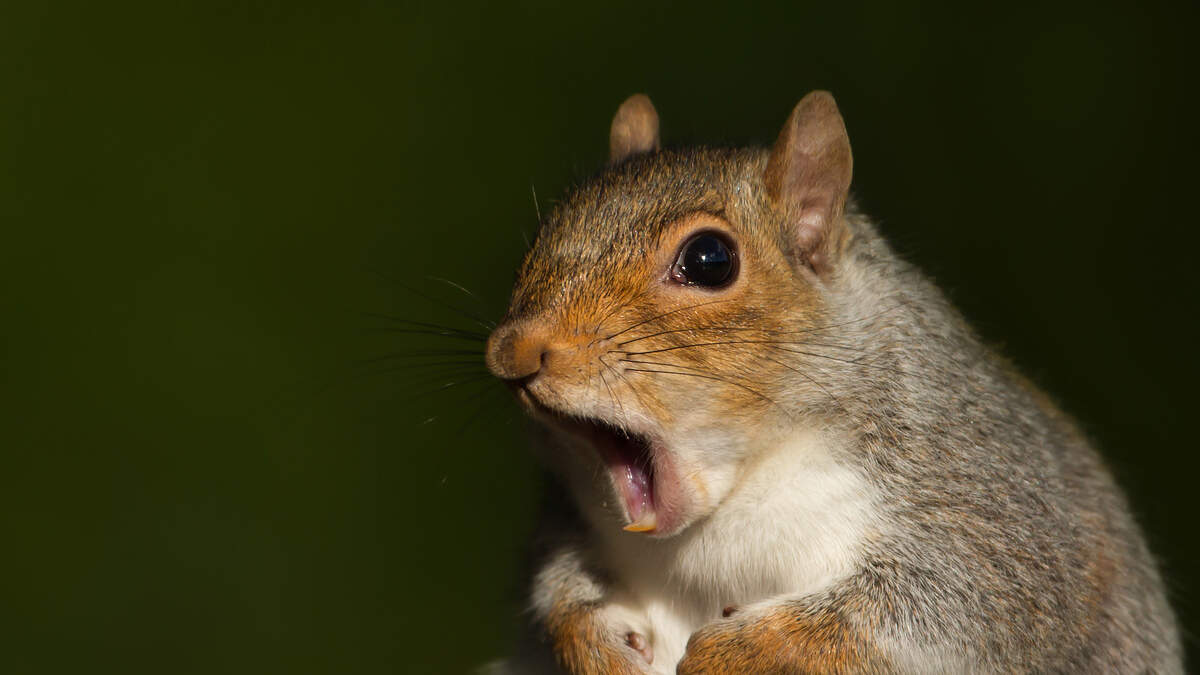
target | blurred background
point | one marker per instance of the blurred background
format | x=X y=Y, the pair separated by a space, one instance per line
x=218 y=454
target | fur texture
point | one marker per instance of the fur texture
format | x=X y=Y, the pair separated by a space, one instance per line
x=846 y=478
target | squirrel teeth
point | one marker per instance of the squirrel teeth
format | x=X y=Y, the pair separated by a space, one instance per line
x=646 y=523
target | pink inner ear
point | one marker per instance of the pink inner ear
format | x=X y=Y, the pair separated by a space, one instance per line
x=809 y=172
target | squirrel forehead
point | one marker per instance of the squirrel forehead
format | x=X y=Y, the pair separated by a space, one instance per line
x=611 y=222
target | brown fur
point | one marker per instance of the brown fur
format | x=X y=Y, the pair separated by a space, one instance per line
x=634 y=129
x=786 y=641
x=1001 y=542
x=585 y=645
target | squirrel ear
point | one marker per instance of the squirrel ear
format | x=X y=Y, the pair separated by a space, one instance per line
x=634 y=129
x=808 y=174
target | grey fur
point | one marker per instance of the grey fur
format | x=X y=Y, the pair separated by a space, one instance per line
x=1010 y=548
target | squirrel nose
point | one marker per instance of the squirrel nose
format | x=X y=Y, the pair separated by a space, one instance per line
x=516 y=352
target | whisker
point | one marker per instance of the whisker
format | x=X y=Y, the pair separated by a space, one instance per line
x=660 y=316
x=766 y=331
x=460 y=379
x=723 y=342
x=537 y=210
x=438 y=333
x=628 y=383
x=893 y=308
x=460 y=386
x=661 y=363
x=434 y=301
x=773 y=343
x=806 y=376
x=425 y=324
x=485 y=400
x=795 y=370
x=688 y=346
x=853 y=362
x=476 y=364
x=421 y=354
x=613 y=397
x=701 y=371
x=429 y=378
x=713 y=377
x=454 y=284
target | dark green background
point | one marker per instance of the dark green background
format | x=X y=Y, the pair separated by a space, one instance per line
x=199 y=201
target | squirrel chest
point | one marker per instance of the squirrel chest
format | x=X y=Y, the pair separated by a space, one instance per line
x=793 y=525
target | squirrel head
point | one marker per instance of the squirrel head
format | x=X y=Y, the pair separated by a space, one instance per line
x=655 y=324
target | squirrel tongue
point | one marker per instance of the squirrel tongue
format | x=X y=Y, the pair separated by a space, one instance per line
x=637 y=490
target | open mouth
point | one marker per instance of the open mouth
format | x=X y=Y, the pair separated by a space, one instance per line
x=634 y=462
x=629 y=458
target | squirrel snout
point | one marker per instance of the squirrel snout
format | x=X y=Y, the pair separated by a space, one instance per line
x=516 y=352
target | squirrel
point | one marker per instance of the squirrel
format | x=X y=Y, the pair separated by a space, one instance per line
x=782 y=450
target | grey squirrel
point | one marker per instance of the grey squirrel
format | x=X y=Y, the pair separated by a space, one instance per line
x=786 y=451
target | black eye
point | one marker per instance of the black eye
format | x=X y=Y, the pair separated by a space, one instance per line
x=706 y=260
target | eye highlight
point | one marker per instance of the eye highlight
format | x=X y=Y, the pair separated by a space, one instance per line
x=707 y=259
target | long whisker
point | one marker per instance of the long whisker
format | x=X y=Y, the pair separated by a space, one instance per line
x=681 y=366
x=425 y=324
x=795 y=370
x=454 y=284
x=853 y=362
x=772 y=343
x=661 y=363
x=766 y=331
x=445 y=334
x=716 y=343
x=806 y=376
x=422 y=378
x=460 y=379
x=486 y=399
x=456 y=386
x=477 y=364
x=628 y=384
x=660 y=316
x=613 y=397
x=715 y=378
x=537 y=210
x=808 y=330
x=691 y=346
x=900 y=303
x=439 y=303
x=421 y=354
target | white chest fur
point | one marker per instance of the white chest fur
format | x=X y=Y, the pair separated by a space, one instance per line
x=793 y=526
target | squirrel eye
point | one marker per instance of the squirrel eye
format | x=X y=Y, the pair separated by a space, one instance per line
x=706 y=260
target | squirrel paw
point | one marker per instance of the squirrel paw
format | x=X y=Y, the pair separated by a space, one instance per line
x=588 y=641
x=779 y=639
x=639 y=644
x=735 y=643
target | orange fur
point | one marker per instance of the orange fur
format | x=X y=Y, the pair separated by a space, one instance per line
x=584 y=645
x=782 y=642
